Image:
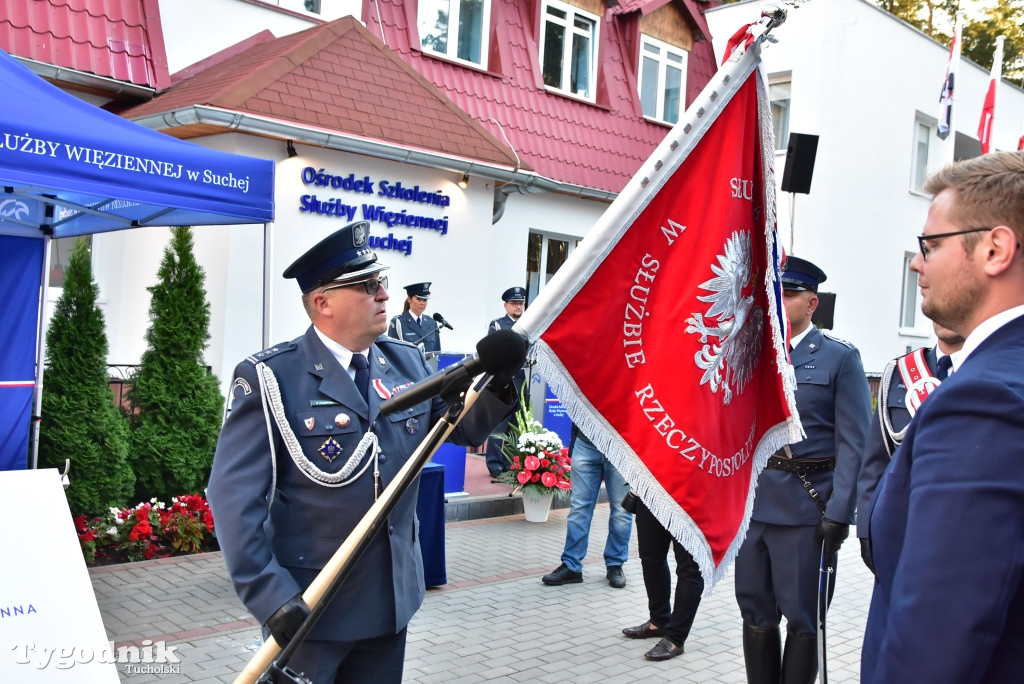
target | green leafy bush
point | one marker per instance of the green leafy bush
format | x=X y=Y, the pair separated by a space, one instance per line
x=178 y=403
x=79 y=419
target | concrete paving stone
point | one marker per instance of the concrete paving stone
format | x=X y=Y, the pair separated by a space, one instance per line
x=462 y=632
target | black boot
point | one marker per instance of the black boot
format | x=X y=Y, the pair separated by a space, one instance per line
x=800 y=661
x=762 y=653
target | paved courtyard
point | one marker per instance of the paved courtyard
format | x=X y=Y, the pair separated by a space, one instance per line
x=493 y=622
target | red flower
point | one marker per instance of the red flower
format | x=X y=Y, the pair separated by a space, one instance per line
x=535 y=478
x=548 y=479
x=545 y=462
x=523 y=476
x=532 y=463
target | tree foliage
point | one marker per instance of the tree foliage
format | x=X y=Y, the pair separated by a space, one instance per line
x=982 y=25
x=79 y=419
x=178 y=402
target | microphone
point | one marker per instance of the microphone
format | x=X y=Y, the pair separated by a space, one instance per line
x=440 y=319
x=499 y=353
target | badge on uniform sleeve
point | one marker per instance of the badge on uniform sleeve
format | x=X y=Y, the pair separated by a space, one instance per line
x=412 y=426
x=310 y=422
x=330 y=450
x=342 y=420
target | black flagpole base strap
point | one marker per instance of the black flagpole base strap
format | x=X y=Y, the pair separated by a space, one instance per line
x=276 y=674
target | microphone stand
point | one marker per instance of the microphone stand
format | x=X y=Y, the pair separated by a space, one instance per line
x=435 y=331
x=266 y=665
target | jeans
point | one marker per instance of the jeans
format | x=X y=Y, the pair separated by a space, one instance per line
x=589 y=467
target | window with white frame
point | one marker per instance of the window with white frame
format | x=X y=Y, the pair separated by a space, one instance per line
x=909 y=304
x=457 y=29
x=923 y=131
x=568 y=49
x=662 y=80
x=779 y=94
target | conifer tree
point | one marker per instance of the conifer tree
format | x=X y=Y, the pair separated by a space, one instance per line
x=79 y=419
x=178 y=402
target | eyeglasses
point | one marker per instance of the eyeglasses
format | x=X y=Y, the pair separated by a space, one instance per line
x=926 y=250
x=372 y=285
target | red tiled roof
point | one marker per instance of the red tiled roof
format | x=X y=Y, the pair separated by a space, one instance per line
x=597 y=146
x=322 y=77
x=119 y=39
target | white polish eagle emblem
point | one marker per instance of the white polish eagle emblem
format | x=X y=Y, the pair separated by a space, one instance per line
x=730 y=330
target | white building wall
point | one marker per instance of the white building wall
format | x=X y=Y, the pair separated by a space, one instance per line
x=469 y=267
x=859 y=78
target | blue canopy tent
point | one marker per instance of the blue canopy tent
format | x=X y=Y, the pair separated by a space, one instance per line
x=68 y=168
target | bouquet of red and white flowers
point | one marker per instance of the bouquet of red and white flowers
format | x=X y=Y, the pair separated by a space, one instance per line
x=538 y=461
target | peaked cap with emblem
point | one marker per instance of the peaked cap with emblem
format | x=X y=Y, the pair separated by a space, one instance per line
x=342 y=255
x=514 y=294
x=421 y=290
x=801 y=274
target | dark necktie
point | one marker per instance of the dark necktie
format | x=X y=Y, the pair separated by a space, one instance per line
x=943 y=367
x=362 y=370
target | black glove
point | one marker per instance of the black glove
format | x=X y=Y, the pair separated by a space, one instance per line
x=833 y=534
x=286 y=620
x=865 y=554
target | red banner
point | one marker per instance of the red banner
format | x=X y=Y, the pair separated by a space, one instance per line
x=662 y=332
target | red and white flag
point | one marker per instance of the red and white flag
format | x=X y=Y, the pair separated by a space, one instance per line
x=986 y=126
x=662 y=334
x=946 y=97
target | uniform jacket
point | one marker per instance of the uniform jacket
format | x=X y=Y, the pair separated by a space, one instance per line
x=424 y=334
x=503 y=323
x=947 y=531
x=876 y=455
x=278 y=528
x=834 y=403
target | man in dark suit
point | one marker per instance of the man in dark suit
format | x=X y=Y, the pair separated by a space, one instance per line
x=304 y=454
x=514 y=299
x=411 y=325
x=805 y=495
x=922 y=369
x=947 y=524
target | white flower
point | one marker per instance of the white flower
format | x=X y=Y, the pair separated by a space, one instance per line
x=112 y=532
x=118 y=521
x=115 y=511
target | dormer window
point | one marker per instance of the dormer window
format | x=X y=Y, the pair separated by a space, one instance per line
x=457 y=29
x=568 y=49
x=662 y=79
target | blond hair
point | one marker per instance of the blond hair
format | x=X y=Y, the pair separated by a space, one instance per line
x=989 y=192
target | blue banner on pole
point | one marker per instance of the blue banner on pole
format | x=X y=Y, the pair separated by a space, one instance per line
x=556 y=418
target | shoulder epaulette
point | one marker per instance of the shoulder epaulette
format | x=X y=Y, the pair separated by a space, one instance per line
x=271 y=352
x=840 y=340
x=385 y=339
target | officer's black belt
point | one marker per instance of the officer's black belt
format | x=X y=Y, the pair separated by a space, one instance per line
x=801 y=465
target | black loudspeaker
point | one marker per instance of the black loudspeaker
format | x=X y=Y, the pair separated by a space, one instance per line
x=799 y=162
x=824 y=315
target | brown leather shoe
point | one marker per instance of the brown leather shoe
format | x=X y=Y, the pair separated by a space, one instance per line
x=644 y=631
x=663 y=650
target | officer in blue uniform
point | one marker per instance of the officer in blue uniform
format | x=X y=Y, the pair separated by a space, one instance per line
x=806 y=494
x=890 y=422
x=514 y=299
x=304 y=454
x=411 y=325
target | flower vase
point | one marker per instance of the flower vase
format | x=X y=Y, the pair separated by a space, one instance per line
x=536 y=506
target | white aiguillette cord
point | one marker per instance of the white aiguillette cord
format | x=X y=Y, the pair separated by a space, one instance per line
x=273 y=406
